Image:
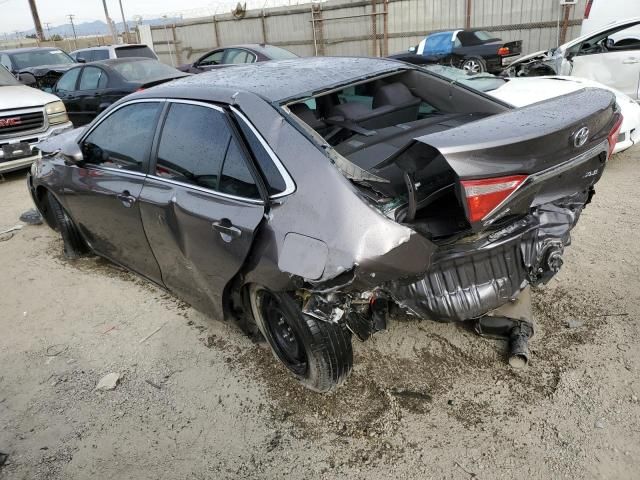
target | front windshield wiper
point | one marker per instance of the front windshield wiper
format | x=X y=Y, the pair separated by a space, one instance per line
x=486 y=78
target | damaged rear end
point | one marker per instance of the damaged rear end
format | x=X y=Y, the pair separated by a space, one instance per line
x=498 y=197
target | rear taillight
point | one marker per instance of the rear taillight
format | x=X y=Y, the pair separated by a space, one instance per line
x=140 y=89
x=502 y=51
x=613 y=135
x=483 y=196
x=587 y=9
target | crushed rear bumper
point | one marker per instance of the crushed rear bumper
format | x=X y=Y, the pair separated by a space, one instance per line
x=468 y=280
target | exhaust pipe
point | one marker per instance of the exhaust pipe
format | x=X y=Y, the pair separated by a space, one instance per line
x=517 y=332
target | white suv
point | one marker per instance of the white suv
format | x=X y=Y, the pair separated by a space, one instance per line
x=106 y=52
x=27 y=116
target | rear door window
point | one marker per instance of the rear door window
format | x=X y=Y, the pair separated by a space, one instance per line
x=197 y=146
x=123 y=139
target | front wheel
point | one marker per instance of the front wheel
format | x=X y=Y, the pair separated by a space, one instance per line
x=316 y=352
x=474 y=65
x=74 y=245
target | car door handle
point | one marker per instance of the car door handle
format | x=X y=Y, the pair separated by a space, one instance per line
x=226 y=228
x=630 y=61
x=126 y=198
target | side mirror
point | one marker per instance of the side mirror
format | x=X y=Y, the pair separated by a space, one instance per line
x=412 y=49
x=72 y=153
x=27 y=79
x=81 y=60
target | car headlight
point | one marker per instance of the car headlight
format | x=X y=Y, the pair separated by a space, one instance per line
x=56 y=113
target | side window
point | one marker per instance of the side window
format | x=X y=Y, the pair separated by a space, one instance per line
x=86 y=55
x=275 y=182
x=197 y=147
x=92 y=79
x=235 y=55
x=214 y=59
x=101 y=54
x=67 y=82
x=123 y=139
x=4 y=60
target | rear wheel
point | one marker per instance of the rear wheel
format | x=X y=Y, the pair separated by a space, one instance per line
x=474 y=65
x=74 y=245
x=316 y=352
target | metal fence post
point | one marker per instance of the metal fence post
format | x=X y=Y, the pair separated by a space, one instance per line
x=374 y=27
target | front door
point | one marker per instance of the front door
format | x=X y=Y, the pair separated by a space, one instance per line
x=102 y=194
x=91 y=88
x=66 y=89
x=619 y=70
x=201 y=204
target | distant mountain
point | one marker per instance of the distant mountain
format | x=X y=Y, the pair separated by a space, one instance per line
x=97 y=27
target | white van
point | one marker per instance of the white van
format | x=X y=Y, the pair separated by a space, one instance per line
x=599 y=13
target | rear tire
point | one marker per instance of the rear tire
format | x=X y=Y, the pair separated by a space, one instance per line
x=474 y=65
x=74 y=245
x=317 y=353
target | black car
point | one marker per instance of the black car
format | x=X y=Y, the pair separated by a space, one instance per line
x=304 y=197
x=88 y=89
x=37 y=67
x=473 y=50
x=237 y=55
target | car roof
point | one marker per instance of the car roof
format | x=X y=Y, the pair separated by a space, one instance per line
x=97 y=47
x=29 y=49
x=280 y=80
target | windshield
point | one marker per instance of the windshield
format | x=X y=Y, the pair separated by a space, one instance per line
x=6 y=79
x=277 y=53
x=144 y=70
x=35 y=58
x=483 y=82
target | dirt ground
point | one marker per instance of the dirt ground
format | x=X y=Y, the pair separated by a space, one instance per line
x=198 y=400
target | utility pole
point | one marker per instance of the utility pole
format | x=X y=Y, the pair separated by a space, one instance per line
x=114 y=37
x=36 y=19
x=73 y=27
x=47 y=25
x=124 y=21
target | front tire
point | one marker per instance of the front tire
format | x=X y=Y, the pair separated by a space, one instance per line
x=74 y=245
x=316 y=352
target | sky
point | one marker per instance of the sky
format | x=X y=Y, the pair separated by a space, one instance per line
x=16 y=15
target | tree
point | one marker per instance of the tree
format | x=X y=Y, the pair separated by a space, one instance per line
x=56 y=38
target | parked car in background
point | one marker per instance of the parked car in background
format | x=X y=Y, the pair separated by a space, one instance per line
x=37 y=67
x=237 y=55
x=27 y=116
x=89 y=89
x=610 y=55
x=525 y=91
x=475 y=51
x=304 y=196
x=107 y=52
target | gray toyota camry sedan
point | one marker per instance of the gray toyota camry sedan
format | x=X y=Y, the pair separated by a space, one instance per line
x=306 y=198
